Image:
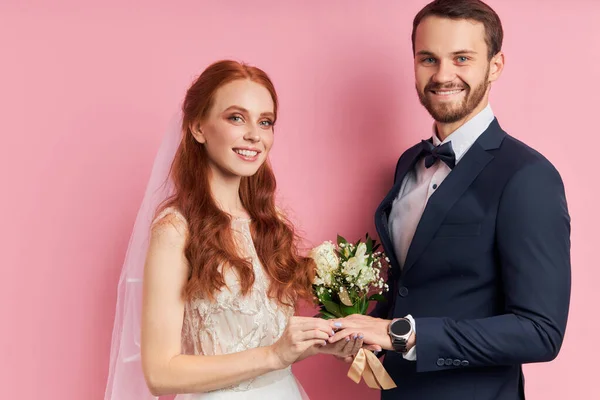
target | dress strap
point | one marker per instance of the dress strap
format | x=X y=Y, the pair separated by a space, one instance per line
x=170 y=211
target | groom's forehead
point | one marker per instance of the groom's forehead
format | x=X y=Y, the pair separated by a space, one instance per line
x=439 y=35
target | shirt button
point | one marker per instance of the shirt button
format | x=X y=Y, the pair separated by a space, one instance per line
x=434 y=186
x=464 y=363
x=440 y=362
x=403 y=291
x=448 y=361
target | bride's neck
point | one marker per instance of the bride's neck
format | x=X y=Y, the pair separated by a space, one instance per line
x=226 y=192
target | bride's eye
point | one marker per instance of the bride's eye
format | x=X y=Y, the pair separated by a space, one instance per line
x=235 y=118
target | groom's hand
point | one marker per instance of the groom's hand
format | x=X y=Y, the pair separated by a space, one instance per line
x=374 y=330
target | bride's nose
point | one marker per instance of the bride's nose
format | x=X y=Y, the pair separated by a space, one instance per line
x=252 y=135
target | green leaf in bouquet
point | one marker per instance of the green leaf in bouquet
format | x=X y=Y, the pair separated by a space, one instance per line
x=341 y=239
x=364 y=305
x=355 y=309
x=376 y=247
x=341 y=254
x=369 y=243
x=323 y=295
x=333 y=308
x=377 y=297
x=327 y=315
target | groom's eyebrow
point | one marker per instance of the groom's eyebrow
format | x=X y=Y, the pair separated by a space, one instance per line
x=425 y=53
x=464 y=52
x=454 y=53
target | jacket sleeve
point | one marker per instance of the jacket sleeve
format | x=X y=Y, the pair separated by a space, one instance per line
x=533 y=243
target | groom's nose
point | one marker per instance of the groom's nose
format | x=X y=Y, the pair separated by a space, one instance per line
x=446 y=72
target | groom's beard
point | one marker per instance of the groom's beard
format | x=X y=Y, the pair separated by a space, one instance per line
x=452 y=112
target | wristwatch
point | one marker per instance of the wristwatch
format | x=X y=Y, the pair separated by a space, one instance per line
x=400 y=330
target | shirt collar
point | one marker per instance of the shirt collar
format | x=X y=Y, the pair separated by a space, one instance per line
x=463 y=138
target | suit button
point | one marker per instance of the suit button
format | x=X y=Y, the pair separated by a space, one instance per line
x=440 y=362
x=456 y=363
x=403 y=291
x=464 y=363
x=448 y=361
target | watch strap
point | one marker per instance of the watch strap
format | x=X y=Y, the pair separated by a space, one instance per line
x=399 y=344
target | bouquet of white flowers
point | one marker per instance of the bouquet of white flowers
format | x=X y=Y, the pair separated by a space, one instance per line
x=348 y=276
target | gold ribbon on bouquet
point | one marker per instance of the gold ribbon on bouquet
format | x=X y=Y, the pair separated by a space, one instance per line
x=368 y=366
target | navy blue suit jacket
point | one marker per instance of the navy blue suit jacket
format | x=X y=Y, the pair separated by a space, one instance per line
x=487 y=276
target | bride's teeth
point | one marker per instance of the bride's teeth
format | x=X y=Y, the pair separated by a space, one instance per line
x=247 y=153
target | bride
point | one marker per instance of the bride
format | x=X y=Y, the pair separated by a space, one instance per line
x=212 y=274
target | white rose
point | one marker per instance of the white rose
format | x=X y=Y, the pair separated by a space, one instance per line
x=358 y=262
x=327 y=262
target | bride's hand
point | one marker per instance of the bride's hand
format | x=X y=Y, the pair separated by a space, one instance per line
x=301 y=334
x=345 y=349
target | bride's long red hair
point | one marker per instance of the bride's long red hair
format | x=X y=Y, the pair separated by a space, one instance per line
x=210 y=242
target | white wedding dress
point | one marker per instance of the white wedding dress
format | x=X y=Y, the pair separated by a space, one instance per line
x=234 y=323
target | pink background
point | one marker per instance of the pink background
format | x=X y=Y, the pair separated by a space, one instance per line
x=87 y=89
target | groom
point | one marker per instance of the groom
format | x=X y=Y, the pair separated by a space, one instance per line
x=475 y=226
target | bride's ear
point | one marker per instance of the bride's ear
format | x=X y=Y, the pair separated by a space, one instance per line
x=196 y=130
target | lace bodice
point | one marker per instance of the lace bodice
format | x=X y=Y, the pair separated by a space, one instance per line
x=234 y=323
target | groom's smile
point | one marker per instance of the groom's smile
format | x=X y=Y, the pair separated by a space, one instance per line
x=439 y=93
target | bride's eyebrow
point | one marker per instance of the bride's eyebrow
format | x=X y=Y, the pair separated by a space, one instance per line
x=242 y=110
x=236 y=108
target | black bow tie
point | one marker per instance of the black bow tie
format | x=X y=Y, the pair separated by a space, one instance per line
x=442 y=152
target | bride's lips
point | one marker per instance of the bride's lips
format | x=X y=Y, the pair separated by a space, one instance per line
x=247 y=153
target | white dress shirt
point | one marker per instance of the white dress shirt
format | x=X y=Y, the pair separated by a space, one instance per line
x=421 y=182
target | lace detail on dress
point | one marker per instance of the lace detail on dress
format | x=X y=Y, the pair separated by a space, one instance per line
x=234 y=323
x=170 y=211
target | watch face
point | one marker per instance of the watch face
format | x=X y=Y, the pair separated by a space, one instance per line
x=401 y=327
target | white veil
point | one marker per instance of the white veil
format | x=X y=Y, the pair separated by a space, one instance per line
x=125 y=376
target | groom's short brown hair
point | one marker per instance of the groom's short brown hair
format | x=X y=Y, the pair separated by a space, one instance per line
x=465 y=9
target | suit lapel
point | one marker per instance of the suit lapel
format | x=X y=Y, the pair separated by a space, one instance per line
x=451 y=189
x=405 y=165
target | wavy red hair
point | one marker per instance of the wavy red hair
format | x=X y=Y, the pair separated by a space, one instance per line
x=210 y=242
